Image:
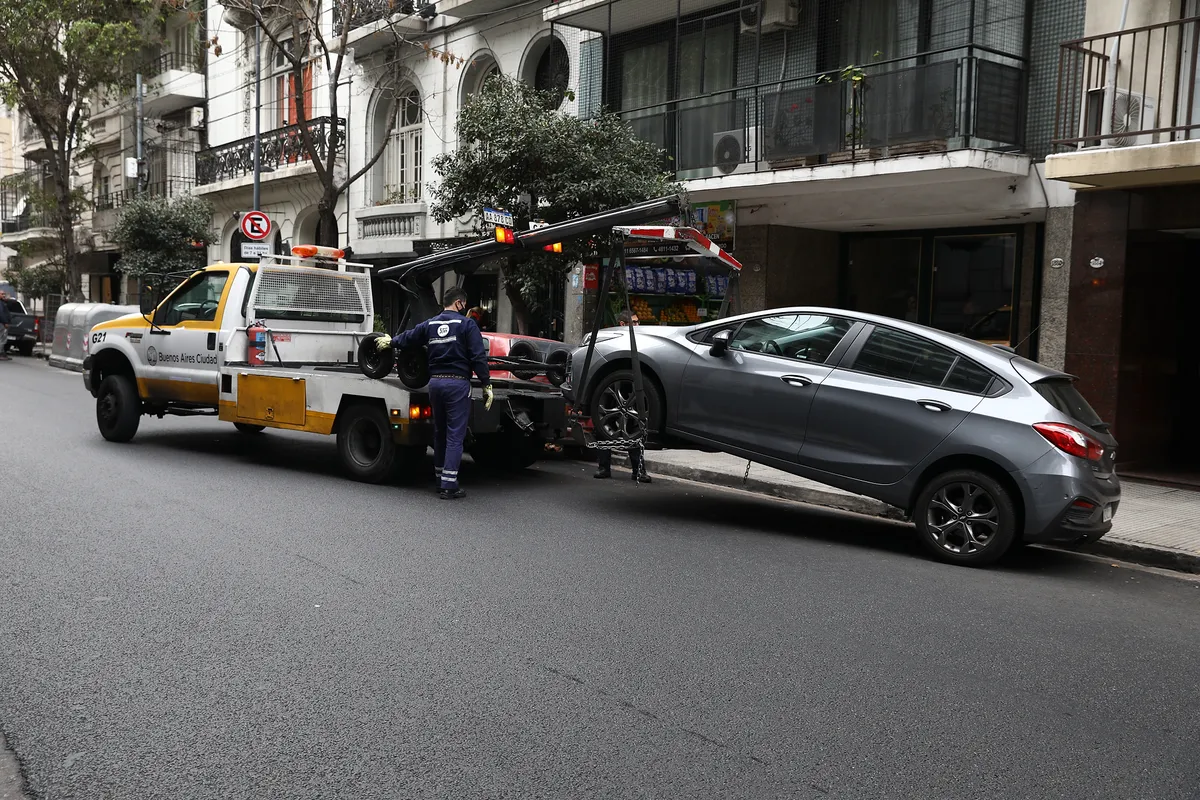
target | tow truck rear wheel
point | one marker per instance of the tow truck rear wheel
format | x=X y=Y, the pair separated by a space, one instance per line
x=118 y=408
x=365 y=443
x=246 y=427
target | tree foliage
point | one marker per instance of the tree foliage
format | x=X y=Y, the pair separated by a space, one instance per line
x=45 y=278
x=55 y=55
x=517 y=152
x=160 y=235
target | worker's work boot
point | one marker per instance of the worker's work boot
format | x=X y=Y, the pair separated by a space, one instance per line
x=452 y=494
x=638 y=465
x=603 y=473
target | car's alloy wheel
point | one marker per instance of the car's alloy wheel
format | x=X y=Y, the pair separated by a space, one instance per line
x=963 y=518
x=619 y=415
x=966 y=517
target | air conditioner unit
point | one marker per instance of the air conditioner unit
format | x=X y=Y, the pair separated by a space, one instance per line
x=776 y=15
x=195 y=118
x=1131 y=112
x=735 y=151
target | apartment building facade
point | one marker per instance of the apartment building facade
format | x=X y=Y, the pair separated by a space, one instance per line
x=1127 y=140
x=882 y=155
x=393 y=52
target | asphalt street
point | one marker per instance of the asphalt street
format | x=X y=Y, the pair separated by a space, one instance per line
x=203 y=614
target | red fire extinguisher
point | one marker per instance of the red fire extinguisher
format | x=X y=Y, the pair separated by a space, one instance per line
x=257 y=348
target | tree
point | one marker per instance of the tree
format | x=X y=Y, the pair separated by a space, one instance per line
x=517 y=152
x=45 y=278
x=55 y=55
x=156 y=234
x=298 y=28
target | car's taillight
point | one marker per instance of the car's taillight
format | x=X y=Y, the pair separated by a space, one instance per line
x=1071 y=440
x=37 y=325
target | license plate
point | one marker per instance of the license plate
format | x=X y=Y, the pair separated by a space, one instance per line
x=1106 y=515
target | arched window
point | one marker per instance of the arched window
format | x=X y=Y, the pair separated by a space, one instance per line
x=402 y=158
x=553 y=70
x=480 y=69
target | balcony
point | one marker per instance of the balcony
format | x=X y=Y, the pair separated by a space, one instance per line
x=604 y=16
x=1128 y=107
x=380 y=226
x=282 y=155
x=376 y=23
x=19 y=221
x=173 y=82
x=33 y=146
x=899 y=108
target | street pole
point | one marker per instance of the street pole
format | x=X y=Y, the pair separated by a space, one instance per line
x=257 y=104
x=140 y=133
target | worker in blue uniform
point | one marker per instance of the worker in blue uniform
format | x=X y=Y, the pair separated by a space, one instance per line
x=456 y=349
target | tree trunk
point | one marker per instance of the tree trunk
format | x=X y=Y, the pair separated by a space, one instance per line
x=65 y=223
x=520 y=308
x=327 y=224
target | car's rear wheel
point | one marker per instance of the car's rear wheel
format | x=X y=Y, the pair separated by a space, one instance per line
x=365 y=443
x=118 y=408
x=25 y=349
x=966 y=517
x=614 y=412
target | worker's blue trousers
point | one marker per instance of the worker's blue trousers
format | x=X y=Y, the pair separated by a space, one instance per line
x=451 y=401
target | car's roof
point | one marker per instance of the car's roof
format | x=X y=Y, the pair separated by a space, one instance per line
x=985 y=354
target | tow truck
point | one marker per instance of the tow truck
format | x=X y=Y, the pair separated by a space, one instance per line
x=288 y=343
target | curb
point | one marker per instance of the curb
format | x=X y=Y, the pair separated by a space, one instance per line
x=1146 y=555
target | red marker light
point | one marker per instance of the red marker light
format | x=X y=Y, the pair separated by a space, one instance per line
x=553 y=248
x=505 y=236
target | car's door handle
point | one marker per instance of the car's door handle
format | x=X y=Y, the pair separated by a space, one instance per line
x=159 y=332
x=933 y=405
x=796 y=380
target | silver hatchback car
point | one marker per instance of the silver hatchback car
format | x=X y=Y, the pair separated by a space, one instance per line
x=981 y=448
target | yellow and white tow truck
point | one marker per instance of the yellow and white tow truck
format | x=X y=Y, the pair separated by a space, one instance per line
x=275 y=345
x=288 y=343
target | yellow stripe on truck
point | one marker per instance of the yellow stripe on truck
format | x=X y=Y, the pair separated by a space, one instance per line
x=180 y=391
x=314 y=421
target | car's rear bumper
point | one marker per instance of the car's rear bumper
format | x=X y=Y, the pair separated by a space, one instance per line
x=1065 y=501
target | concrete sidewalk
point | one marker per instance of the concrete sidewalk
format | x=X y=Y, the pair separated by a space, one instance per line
x=1155 y=525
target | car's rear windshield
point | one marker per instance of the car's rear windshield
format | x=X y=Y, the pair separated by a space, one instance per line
x=15 y=306
x=1062 y=394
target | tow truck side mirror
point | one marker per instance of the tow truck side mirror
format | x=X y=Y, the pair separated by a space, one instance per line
x=148 y=297
x=720 y=343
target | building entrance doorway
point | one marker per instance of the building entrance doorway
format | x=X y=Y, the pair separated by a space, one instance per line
x=1159 y=371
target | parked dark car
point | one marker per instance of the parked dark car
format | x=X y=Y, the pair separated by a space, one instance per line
x=982 y=448
x=23 y=328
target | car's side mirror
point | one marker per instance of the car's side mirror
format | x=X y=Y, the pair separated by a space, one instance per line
x=148 y=297
x=719 y=343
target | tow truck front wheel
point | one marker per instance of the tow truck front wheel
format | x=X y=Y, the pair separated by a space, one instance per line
x=118 y=408
x=365 y=443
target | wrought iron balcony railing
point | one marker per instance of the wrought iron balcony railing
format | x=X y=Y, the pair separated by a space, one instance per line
x=1132 y=87
x=171 y=61
x=282 y=147
x=932 y=102
x=168 y=188
x=364 y=12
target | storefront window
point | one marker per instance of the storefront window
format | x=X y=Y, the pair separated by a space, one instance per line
x=884 y=276
x=973 y=285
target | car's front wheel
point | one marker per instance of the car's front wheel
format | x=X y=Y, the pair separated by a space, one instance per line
x=966 y=517
x=615 y=414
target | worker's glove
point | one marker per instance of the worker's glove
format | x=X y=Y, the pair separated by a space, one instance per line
x=382 y=343
x=488 y=397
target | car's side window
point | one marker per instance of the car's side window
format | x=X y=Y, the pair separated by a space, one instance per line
x=197 y=299
x=893 y=354
x=967 y=376
x=804 y=337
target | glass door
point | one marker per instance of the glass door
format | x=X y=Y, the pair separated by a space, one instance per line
x=973 y=280
x=883 y=276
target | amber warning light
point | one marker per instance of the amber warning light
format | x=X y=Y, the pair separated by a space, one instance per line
x=553 y=248
x=315 y=251
x=505 y=235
